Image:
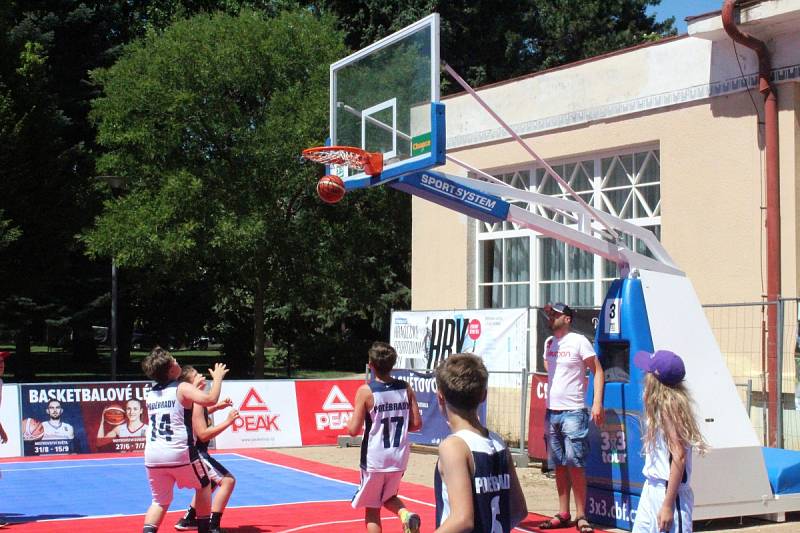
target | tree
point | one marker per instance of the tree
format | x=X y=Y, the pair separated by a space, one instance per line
x=206 y=120
x=489 y=41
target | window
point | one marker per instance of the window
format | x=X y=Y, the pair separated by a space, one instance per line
x=504 y=279
x=518 y=267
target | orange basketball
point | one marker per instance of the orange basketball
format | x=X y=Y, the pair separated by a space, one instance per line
x=32 y=429
x=114 y=415
x=330 y=189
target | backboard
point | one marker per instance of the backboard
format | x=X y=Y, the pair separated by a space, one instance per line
x=381 y=101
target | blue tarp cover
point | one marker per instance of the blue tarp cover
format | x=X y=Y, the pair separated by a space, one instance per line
x=783 y=470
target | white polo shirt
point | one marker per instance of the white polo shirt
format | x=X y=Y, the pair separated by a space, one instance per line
x=566 y=370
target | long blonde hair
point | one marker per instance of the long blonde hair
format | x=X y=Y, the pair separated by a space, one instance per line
x=670 y=409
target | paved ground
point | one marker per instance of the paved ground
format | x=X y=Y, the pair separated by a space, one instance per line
x=540 y=490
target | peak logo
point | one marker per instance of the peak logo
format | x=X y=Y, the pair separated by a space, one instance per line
x=263 y=421
x=253 y=402
x=337 y=411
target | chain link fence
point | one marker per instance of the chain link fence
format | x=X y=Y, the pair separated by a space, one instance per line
x=741 y=332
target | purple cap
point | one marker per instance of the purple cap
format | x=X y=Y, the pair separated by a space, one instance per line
x=666 y=366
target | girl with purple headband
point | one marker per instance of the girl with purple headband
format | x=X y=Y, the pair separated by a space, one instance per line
x=671 y=433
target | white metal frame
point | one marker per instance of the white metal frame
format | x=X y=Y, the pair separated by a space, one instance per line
x=595 y=159
x=431 y=21
x=366 y=116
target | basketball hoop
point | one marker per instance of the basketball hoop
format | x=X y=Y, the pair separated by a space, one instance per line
x=370 y=162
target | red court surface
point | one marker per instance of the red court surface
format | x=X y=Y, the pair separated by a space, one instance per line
x=324 y=516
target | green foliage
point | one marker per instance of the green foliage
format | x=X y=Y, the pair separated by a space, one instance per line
x=206 y=121
x=489 y=41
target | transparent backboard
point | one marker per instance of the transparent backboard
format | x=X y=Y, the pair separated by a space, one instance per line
x=381 y=96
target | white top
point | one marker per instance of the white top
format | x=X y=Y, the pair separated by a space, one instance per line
x=657 y=462
x=125 y=432
x=385 y=446
x=170 y=441
x=566 y=370
x=62 y=431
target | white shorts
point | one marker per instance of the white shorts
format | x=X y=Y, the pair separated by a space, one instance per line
x=163 y=479
x=376 y=488
x=650 y=505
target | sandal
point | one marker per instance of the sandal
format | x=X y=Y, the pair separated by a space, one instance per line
x=559 y=520
x=586 y=527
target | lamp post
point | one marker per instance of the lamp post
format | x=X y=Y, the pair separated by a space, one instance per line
x=117 y=184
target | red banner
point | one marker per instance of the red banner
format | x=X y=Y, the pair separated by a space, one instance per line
x=324 y=408
x=536 y=443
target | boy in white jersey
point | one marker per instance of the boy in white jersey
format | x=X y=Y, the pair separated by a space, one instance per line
x=475 y=482
x=671 y=432
x=170 y=455
x=389 y=409
x=222 y=481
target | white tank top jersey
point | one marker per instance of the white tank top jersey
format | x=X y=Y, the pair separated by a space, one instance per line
x=170 y=441
x=657 y=462
x=61 y=431
x=566 y=371
x=125 y=432
x=491 y=484
x=385 y=446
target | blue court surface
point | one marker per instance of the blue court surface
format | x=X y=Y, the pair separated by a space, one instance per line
x=118 y=486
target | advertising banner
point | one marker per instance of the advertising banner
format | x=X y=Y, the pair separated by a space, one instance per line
x=536 y=438
x=61 y=418
x=10 y=421
x=434 y=423
x=267 y=415
x=324 y=408
x=499 y=336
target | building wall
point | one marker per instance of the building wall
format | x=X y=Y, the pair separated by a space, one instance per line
x=711 y=180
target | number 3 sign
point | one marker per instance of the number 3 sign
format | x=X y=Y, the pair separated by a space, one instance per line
x=611 y=313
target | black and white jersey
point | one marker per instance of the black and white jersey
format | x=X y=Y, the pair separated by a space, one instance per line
x=491 y=484
x=170 y=441
x=385 y=446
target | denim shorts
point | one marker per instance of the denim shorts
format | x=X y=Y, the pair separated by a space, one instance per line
x=567 y=437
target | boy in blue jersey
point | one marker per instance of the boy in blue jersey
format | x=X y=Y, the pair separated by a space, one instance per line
x=387 y=408
x=476 y=484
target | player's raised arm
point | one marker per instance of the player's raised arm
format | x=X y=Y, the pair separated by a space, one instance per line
x=189 y=394
x=356 y=423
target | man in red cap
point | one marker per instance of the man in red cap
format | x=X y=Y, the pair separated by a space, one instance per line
x=3 y=436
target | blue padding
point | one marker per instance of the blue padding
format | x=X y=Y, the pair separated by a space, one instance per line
x=118 y=486
x=783 y=470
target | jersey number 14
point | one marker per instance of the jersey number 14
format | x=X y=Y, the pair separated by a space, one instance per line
x=163 y=428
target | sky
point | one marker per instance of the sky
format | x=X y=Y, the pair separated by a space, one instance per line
x=680 y=9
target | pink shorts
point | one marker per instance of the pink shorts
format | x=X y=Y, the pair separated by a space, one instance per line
x=163 y=479
x=376 y=488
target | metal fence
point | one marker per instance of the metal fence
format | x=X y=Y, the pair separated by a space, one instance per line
x=507 y=406
x=741 y=332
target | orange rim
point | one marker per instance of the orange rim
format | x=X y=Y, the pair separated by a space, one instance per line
x=356 y=158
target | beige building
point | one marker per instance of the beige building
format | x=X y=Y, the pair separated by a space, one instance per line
x=666 y=135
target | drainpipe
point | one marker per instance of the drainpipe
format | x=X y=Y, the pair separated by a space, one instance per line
x=773 y=221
